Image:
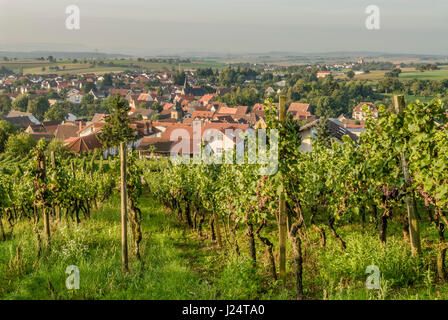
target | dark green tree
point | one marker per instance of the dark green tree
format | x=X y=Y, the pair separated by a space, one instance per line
x=323 y=133
x=6 y=129
x=350 y=74
x=117 y=128
x=5 y=103
x=179 y=78
x=38 y=107
x=57 y=111
x=20 y=144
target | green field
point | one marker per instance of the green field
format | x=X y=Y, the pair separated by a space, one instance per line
x=35 y=66
x=406 y=74
x=427 y=75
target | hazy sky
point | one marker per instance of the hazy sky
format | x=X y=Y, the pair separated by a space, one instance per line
x=226 y=26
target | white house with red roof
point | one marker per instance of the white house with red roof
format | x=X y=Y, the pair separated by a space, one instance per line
x=360 y=113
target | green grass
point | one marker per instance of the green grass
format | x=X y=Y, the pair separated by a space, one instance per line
x=94 y=246
x=179 y=264
x=176 y=265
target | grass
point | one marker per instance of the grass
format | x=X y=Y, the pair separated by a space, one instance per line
x=176 y=265
x=427 y=75
x=406 y=74
x=94 y=246
x=179 y=264
x=372 y=75
x=35 y=66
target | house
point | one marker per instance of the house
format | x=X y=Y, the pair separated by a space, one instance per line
x=97 y=117
x=220 y=138
x=120 y=92
x=236 y=113
x=300 y=111
x=281 y=83
x=71 y=117
x=51 y=126
x=75 y=97
x=155 y=147
x=258 y=107
x=16 y=117
x=194 y=91
x=269 y=91
x=145 y=97
x=336 y=128
x=323 y=74
x=354 y=126
x=187 y=139
x=207 y=99
x=67 y=130
x=360 y=114
x=94 y=127
x=144 y=128
x=83 y=144
x=35 y=128
x=202 y=115
x=168 y=106
x=144 y=113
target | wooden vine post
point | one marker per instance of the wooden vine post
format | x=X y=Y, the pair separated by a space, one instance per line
x=218 y=231
x=56 y=208
x=45 y=213
x=282 y=207
x=124 y=202
x=414 y=232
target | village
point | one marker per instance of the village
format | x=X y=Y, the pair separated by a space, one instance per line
x=154 y=113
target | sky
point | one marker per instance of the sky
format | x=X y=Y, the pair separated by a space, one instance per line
x=152 y=27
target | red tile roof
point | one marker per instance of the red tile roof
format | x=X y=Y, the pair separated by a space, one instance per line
x=299 y=108
x=358 y=108
x=84 y=144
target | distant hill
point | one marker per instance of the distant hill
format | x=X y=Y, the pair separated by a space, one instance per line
x=61 y=55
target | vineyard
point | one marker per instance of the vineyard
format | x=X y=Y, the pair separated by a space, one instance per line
x=222 y=231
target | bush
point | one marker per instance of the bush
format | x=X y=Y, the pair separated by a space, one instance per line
x=20 y=144
x=57 y=146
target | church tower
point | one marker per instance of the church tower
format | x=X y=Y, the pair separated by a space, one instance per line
x=177 y=112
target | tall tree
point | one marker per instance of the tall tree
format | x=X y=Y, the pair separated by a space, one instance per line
x=38 y=107
x=56 y=112
x=323 y=134
x=20 y=103
x=6 y=129
x=350 y=74
x=116 y=132
x=179 y=78
x=117 y=128
x=5 y=103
